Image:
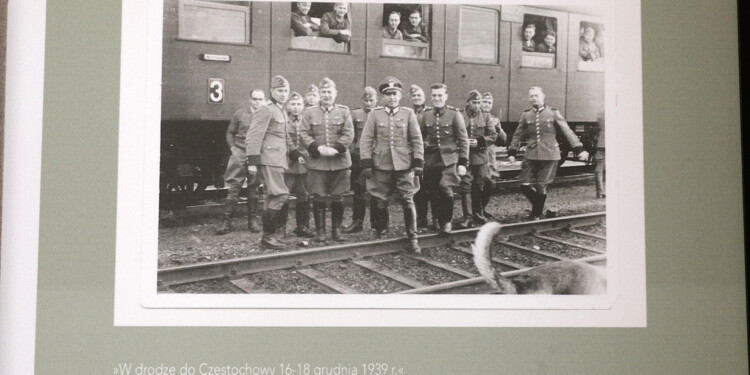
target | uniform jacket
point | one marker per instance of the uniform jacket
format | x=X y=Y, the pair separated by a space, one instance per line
x=359 y=117
x=420 y=29
x=238 y=127
x=445 y=139
x=298 y=24
x=330 y=27
x=543 y=47
x=298 y=147
x=479 y=128
x=529 y=46
x=540 y=127
x=420 y=110
x=502 y=138
x=387 y=34
x=391 y=140
x=331 y=126
x=266 y=139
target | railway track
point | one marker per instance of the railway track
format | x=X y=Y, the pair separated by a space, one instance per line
x=535 y=242
x=218 y=208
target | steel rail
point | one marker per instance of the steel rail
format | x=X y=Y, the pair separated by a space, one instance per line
x=569 y=243
x=218 y=208
x=587 y=234
x=478 y=285
x=248 y=265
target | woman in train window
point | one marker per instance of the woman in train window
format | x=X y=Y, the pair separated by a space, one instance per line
x=548 y=45
x=391 y=30
x=415 y=30
x=301 y=22
x=336 y=24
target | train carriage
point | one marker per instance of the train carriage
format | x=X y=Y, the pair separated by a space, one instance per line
x=215 y=53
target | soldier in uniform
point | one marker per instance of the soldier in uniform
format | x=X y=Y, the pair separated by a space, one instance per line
x=327 y=132
x=301 y=23
x=446 y=144
x=392 y=157
x=477 y=183
x=486 y=107
x=540 y=126
x=236 y=172
x=312 y=97
x=417 y=101
x=267 y=153
x=295 y=177
x=421 y=199
x=358 y=183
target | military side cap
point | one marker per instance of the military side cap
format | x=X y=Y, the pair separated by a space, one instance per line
x=295 y=96
x=415 y=88
x=369 y=93
x=390 y=83
x=487 y=95
x=312 y=88
x=474 y=95
x=278 y=82
x=551 y=33
x=327 y=83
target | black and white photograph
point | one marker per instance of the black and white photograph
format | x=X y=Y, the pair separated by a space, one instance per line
x=321 y=151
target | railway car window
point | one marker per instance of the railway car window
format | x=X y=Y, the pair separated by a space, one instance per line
x=477 y=35
x=539 y=36
x=407 y=30
x=321 y=26
x=591 y=47
x=225 y=22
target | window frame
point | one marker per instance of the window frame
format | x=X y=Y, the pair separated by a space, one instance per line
x=555 y=56
x=429 y=27
x=469 y=60
x=292 y=47
x=247 y=9
x=598 y=66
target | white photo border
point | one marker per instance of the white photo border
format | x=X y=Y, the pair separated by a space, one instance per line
x=137 y=302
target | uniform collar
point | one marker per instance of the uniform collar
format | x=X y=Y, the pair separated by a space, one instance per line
x=440 y=110
x=540 y=108
x=420 y=107
x=327 y=109
x=367 y=110
x=293 y=118
x=391 y=111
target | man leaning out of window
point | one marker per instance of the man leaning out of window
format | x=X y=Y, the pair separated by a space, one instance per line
x=415 y=29
x=336 y=24
x=391 y=31
x=301 y=22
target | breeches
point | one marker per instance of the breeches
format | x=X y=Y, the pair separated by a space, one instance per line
x=402 y=184
x=476 y=178
x=328 y=183
x=276 y=192
x=599 y=157
x=439 y=181
x=538 y=172
x=297 y=185
x=358 y=183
